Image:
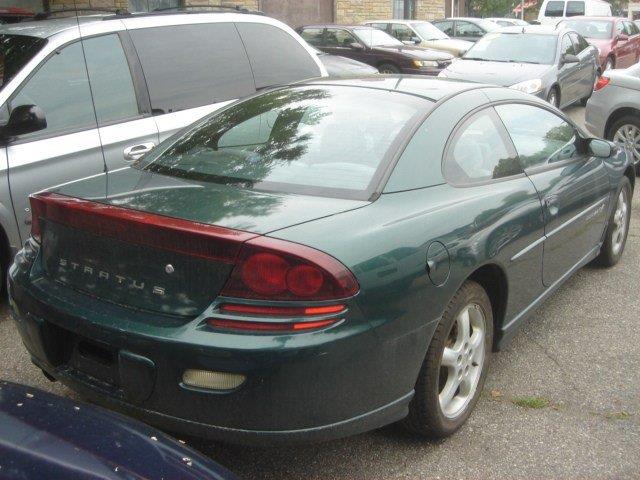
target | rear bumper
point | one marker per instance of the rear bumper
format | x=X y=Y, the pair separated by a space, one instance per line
x=299 y=388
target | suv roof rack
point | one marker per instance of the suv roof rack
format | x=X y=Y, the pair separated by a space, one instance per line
x=206 y=7
x=76 y=12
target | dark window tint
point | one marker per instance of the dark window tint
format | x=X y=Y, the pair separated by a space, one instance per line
x=580 y=42
x=337 y=37
x=554 y=9
x=468 y=29
x=566 y=47
x=61 y=88
x=630 y=28
x=575 y=8
x=402 y=32
x=446 y=27
x=15 y=52
x=619 y=27
x=313 y=36
x=276 y=57
x=380 y=26
x=303 y=139
x=188 y=66
x=111 y=84
x=479 y=152
x=541 y=138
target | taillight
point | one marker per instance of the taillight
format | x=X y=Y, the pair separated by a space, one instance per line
x=249 y=325
x=278 y=311
x=272 y=269
x=601 y=83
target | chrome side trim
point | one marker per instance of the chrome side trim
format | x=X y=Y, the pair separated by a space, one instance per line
x=528 y=248
x=576 y=217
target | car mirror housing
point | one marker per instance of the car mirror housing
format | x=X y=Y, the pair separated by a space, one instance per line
x=416 y=40
x=599 y=148
x=24 y=119
x=568 y=58
x=622 y=37
x=356 y=46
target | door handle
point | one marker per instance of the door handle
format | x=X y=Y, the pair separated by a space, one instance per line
x=134 y=152
x=552 y=205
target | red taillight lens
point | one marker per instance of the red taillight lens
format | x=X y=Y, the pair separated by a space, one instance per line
x=601 y=83
x=272 y=269
x=280 y=311
x=269 y=326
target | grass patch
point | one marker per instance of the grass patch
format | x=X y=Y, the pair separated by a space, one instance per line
x=530 y=402
x=617 y=415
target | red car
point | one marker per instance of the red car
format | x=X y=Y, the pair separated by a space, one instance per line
x=618 y=39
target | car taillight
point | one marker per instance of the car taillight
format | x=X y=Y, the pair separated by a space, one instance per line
x=273 y=269
x=601 y=83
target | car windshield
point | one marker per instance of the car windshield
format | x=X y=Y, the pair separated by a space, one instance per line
x=298 y=140
x=15 y=53
x=591 y=28
x=428 y=31
x=509 y=47
x=373 y=37
x=487 y=25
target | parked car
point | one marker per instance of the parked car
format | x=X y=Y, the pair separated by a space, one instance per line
x=469 y=29
x=132 y=98
x=554 y=64
x=376 y=48
x=423 y=34
x=44 y=436
x=613 y=112
x=553 y=11
x=318 y=260
x=338 y=66
x=617 y=39
x=507 y=22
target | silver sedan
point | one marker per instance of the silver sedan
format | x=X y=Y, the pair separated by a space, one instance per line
x=613 y=111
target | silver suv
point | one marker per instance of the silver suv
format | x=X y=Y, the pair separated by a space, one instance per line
x=81 y=96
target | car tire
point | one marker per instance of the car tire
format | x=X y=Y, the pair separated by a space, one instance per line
x=553 y=97
x=430 y=414
x=618 y=227
x=388 y=68
x=626 y=130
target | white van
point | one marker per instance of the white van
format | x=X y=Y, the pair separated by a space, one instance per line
x=553 y=11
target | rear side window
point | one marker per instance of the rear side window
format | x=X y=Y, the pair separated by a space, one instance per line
x=298 y=140
x=313 y=36
x=336 y=37
x=575 y=8
x=480 y=151
x=541 y=138
x=189 y=66
x=276 y=57
x=446 y=27
x=402 y=32
x=554 y=9
x=61 y=88
x=111 y=84
x=468 y=29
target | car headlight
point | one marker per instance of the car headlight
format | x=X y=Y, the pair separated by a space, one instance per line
x=425 y=63
x=529 y=86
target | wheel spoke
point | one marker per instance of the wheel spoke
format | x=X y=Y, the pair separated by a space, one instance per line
x=449 y=357
x=449 y=391
x=464 y=329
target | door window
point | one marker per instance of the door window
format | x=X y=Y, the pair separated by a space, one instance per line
x=541 y=138
x=554 y=9
x=630 y=28
x=337 y=37
x=313 y=36
x=379 y=26
x=575 y=8
x=446 y=27
x=468 y=29
x=566 y=47
x=111 y=84
x=480 y=151
x=189 y=66
x=580 y=43
x=61 y=89
x=402 y=32
x=619 y=28
x=276 y=57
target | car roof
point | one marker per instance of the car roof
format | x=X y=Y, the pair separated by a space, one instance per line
x=537 y=29
x=396 y=20
x=335 y=25
x=600 y=17
x=429 y=88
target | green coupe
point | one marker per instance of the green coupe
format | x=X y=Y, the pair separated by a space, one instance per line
x=319 y=259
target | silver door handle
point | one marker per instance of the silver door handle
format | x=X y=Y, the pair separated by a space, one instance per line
x=136 y=151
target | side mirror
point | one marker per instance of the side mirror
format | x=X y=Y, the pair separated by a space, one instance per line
x=416 y=40
x=599 y=148
x=622 y=37
x=568 y=58
x=355 y=46
x=24 y=119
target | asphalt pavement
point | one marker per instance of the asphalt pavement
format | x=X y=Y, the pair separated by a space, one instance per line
x=561 y=401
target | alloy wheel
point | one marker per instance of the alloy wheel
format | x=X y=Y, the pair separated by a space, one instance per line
x=628 y=136
x=462 y=360
x=620 y=222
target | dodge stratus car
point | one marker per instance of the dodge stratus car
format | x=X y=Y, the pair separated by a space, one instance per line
x=318 y=260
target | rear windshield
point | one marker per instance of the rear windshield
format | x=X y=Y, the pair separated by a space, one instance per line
x=318 y=140
x=15 y=53
x=591 y=28
x=554 y=9
x=510 y=47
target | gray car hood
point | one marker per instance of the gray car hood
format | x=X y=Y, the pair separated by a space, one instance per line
x=495 y=73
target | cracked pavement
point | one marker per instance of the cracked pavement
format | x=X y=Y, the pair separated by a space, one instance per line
x=579 y=351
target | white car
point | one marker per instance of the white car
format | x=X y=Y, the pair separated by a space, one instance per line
x=554 y=11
